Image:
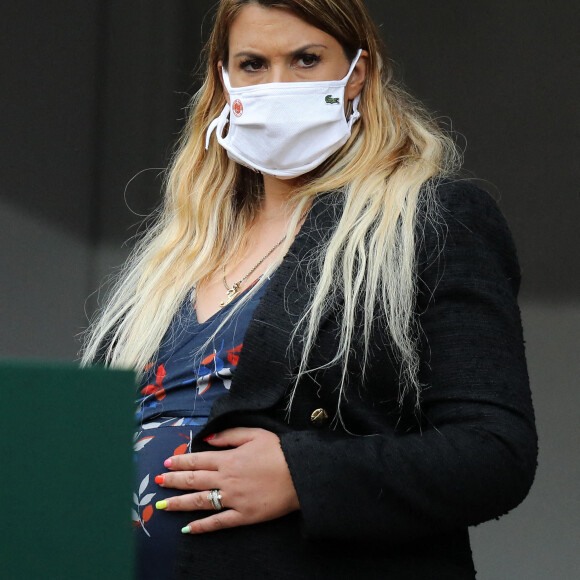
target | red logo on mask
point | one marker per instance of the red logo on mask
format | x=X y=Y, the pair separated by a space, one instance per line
x=238 y=108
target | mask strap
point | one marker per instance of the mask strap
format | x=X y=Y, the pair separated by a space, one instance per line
x=226 y=78
x=355 y=116
x=352 y=65
x=355 y=112
x=219 y=123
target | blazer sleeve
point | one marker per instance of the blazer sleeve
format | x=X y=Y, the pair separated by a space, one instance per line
x=474 y=456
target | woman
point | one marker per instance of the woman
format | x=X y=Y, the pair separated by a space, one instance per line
x=334 y=380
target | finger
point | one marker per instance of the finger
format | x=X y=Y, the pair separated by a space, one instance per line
x=206 y=460
x=187 y=503
x=198 y=480
x=233 y=437
x=219 y=521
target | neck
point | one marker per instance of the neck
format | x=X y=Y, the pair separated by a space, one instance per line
x=277 y=193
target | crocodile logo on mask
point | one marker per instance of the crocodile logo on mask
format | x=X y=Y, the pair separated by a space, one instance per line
x=330 y=100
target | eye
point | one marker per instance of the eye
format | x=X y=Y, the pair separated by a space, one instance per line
x=252 y=65
x=308 y=60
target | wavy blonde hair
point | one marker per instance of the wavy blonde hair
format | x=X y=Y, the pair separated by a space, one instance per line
x=386 y=174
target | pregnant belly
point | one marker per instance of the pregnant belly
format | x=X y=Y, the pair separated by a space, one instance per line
x=158 y=531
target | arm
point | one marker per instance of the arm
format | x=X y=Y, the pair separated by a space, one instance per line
x=475 y=456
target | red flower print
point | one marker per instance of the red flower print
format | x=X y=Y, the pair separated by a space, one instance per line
x=156 y=389
x=147 y=513
x=208 y=359
x=184 y=447
x=141 y=517
x=234 y=354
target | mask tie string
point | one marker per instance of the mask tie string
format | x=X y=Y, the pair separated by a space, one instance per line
x=219 y=123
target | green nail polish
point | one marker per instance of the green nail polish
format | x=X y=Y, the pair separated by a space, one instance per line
x=185 y=530
x=161 y=505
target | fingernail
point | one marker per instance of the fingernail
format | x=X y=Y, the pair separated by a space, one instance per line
x=159 y=479
x=161 y=505
x=167 y=463
x=209 y=437
x=186 y=530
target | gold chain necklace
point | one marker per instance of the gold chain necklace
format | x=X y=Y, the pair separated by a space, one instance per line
x=235 y=289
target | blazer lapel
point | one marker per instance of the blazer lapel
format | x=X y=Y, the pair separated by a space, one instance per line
x=268 y=359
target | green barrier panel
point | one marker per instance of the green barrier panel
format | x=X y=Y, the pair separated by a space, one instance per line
x=67 y=472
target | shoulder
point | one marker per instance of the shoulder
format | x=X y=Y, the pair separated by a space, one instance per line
x=463 y=205
x=460 y=226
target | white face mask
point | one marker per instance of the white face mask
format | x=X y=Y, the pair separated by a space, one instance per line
x=285 y=129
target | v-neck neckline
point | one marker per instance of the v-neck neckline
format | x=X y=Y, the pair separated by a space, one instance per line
x=224 y=308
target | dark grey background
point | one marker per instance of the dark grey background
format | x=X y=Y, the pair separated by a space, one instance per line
x=92 y=100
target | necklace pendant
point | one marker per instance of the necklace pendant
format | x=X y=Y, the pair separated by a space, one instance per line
x=232 y=293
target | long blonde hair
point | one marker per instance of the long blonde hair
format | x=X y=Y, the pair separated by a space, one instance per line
x=386 y=175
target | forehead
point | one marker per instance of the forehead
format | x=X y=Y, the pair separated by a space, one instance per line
x=272 y=30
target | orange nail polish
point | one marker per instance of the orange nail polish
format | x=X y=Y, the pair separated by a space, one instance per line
x=159 y=479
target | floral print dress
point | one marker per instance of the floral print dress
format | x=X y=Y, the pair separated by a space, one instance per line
x=174 y=401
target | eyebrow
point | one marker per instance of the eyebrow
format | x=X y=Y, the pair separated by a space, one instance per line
x=296 y=52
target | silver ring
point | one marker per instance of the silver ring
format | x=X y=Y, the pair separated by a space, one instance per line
x=215 y=497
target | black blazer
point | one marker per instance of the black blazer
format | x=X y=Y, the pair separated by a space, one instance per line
x=387 y=493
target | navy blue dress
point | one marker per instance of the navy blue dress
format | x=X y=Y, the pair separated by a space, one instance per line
x=174 y=401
